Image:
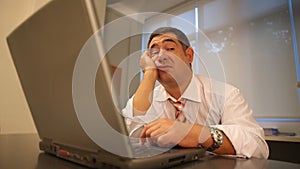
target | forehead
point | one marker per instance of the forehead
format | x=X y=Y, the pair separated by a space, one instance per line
x=166 y=37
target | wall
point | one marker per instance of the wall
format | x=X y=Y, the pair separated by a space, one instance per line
x=256 y=35
x=15 y=116
x=124 y=54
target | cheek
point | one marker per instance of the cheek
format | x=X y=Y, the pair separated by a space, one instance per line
x=188 y=60
x=183 y=60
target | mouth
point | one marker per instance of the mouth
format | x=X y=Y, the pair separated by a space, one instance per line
x=164 y=68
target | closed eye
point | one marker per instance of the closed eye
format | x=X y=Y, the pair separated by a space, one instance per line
x=170 y=49
x=154 y=52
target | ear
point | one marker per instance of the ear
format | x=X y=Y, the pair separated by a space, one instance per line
x=190 y=54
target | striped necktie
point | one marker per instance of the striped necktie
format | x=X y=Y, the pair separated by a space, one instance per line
x=178 y=106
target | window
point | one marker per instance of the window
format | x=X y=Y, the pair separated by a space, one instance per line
x=256 y=42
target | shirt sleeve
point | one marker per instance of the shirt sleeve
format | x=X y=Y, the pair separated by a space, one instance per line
x=134 y=124
x=239 y=125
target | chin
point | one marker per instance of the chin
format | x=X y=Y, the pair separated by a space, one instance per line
x=165 y=77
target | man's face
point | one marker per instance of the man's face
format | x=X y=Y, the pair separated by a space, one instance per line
x=171 y=60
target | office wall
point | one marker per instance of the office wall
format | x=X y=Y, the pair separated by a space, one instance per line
x=124 y=55
x=15 y=116
x=254 y=41
x=256 y=35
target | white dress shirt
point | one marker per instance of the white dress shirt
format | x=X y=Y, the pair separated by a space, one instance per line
x=209 y=103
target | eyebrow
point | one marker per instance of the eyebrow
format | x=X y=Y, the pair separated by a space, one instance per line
x=165 y=40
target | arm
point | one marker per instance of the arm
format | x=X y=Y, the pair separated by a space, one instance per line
x=166 y=132
x=198 y=133
x=143 y=96
x=241 y=128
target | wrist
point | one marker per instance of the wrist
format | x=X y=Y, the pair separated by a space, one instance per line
x=205 y=140
x=211 y=138
x=151 y=74
x=215 y=140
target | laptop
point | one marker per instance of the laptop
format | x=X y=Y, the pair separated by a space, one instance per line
x=46 y=50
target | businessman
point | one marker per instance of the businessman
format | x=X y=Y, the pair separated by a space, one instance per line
x=186 y=109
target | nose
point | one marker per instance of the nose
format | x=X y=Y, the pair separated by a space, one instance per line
x=162 y=57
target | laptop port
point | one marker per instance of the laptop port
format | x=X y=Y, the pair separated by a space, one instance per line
x=180 y=158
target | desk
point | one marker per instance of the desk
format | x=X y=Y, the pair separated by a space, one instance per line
x=284 y=148
x=295 y=139
x=21 y=151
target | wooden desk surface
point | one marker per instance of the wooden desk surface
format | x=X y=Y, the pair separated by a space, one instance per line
x=21 y=151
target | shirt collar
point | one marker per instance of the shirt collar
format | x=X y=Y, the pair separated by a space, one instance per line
x=160 y=94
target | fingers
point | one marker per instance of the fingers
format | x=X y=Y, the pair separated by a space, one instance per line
x=168 y=133
x=146 y=62
x=155 y=129
x=150 y=133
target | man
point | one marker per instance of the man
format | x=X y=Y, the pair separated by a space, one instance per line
x=186 y=109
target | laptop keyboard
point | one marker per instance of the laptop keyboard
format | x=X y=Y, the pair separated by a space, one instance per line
x=146 y=151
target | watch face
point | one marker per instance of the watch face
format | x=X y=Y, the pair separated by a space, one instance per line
x=217 y=136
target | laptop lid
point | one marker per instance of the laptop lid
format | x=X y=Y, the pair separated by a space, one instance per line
x=51 y=52
x=45 y=49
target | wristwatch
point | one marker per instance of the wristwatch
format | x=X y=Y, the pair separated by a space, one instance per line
x=217 y=137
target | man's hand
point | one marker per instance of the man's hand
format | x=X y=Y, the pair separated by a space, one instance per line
x=167 y=133
x=152 y=131
x=146 y=62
